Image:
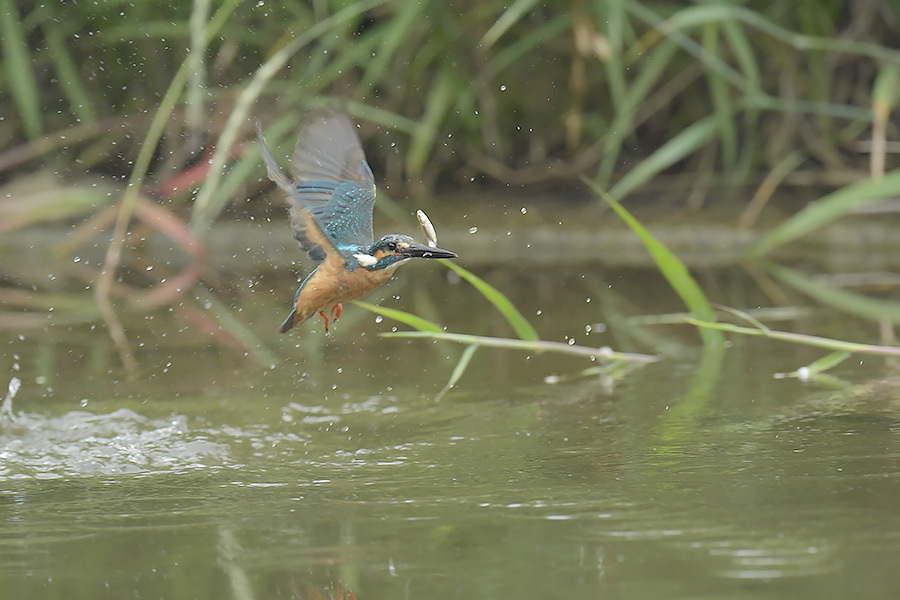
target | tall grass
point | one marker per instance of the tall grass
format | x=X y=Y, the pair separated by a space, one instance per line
x=493 y=90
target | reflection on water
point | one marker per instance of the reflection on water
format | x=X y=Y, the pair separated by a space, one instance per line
x=771 y=558
x=697 y=476
x=543 y=491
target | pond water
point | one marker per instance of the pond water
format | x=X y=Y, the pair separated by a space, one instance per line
x=330 y=464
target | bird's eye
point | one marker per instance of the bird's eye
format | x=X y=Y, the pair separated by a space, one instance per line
x=392 y=246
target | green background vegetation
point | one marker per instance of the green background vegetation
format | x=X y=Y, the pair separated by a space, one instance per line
x=523 y=93
x=149 y=108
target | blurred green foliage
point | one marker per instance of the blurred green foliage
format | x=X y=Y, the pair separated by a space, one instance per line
x=478 y=91
x=163 y=96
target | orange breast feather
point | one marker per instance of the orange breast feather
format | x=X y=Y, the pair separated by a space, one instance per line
x=332 y=285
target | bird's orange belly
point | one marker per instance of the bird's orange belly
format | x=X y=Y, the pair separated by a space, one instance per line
x=330 y=286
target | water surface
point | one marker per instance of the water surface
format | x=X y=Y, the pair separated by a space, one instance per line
x=211 y=476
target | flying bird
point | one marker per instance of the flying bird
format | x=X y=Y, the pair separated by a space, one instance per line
x=331 y=198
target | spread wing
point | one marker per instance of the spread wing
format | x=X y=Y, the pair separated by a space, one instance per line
x=334 y=185
x=333 y=181
x=315 y=241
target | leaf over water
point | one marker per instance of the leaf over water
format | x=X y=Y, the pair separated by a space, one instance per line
x=672 y=269
x=828 y=209
x=404 y=317
x=521 y=326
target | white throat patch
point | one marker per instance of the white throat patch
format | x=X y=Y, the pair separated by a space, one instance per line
x=365 y=260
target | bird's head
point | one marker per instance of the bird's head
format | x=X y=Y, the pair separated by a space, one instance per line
x=394 y=249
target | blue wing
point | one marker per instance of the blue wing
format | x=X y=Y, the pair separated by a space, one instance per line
x=334 y=187
x=334 y=182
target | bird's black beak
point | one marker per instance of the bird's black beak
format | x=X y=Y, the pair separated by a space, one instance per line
x=416 y=250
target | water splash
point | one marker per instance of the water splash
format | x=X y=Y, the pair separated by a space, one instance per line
x=6 y=412
x=81 y=443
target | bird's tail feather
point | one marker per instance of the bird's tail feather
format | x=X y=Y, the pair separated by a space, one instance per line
x=289 y=322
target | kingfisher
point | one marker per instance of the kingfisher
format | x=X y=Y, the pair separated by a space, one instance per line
x=331 y=198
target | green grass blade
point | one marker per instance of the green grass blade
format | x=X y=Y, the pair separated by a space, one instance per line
x=519 y=48
x=742 y=50
x=388 y=119
x=827 y=362
x=28 y=208
x=850 y=302
x=886 y=91
x=675 y=272
x=67 y=71
x=723 y=105
x=829 y=208
x=713 y=12
x=687 y=19
x=195 y=95
x=614 y=65
x=678 y=148
x=806 y=43
x=320 y=78
x=849 y=112
x=391 y=39
x=652 y=67
x=439 y=100
x=458 y=370
x=18 y=67
x=512 y=14
x=519 y=324
x=406 y=318
x=603 y=354
x=799 y=338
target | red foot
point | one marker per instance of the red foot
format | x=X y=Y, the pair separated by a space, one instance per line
x=340 y=591
x=336 y=311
